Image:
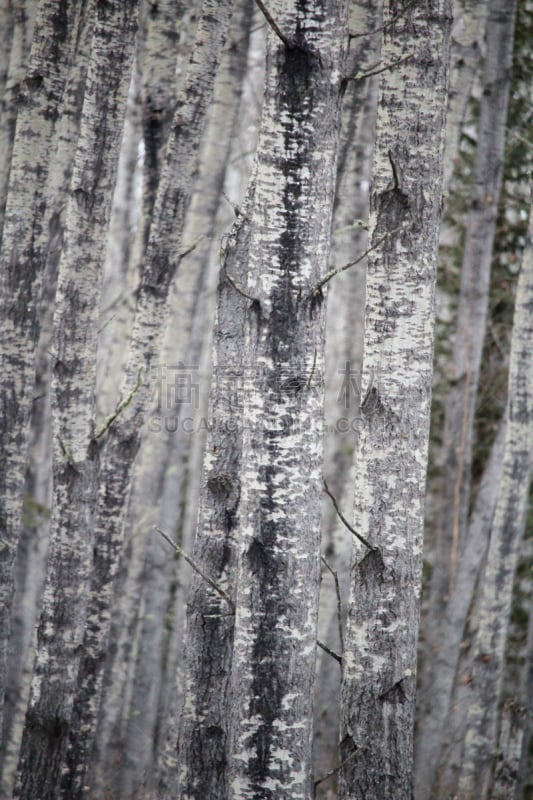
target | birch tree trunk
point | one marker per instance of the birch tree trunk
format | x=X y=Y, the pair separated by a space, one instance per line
x=48 y=719
x=121 y=432
x=470 y=777
x=22 y=258
x=379 y=662
x=472 y=312
x=274 y=647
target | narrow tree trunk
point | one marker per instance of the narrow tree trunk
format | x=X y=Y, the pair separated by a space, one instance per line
x=278 y=567
x=48 y=719
x=379 y=662
x=496 y=587
x=23 y=254
x=471 y=322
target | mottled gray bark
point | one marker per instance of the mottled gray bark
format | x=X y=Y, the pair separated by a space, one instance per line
x=120 y=435
x=469 y=775
x=25 y=239
x=379 y=662
x=48 y=718
x=472 y=313
x=280 y=483
x=434 y=700
x=344 y=354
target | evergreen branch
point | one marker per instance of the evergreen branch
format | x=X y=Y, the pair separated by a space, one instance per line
x=338 y=595
x=121 y=406
x=330 y=652
x=216 y=588
x=273 y=24
x=345 y=521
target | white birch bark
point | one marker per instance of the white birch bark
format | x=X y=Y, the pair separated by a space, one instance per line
x=344 y=354
x=23 y=254
x=48 y=718
x=379 y=662
x=277 y=589
x=472 y=313
x=496 y=587
x=121 y=433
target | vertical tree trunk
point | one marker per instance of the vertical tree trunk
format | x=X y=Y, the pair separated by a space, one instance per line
x=491 y=621
x=472 y=313
x=278 y=567
x=379 y=662
x=48 y=719
x=121 y=433
x=22 y=258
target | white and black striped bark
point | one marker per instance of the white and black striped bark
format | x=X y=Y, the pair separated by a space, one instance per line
x=48 y=718
x=280 y=482
x=379 y=662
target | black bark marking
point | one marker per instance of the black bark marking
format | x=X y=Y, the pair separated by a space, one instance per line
x=396 y=694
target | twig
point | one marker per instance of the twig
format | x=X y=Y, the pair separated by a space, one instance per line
x=331 y=274
x=386 y=25
x=345 y=521
x=330 y=652
x=196 y=568
x=338 y=594
x=234 y=285
x=359 y=76
x=121 y=406
x=273 y=24
x=333 y=772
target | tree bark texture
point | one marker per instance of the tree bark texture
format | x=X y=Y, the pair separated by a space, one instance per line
x=379 y=662
x=491 y=622
x=472 y=313
x=48 y=719
x=277 y=586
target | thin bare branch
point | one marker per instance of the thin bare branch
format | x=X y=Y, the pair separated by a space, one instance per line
x=331 y=274
x=338 y=595
x=273 y=24
x=333 y=772
x=360 y=76
x=386 y=26
x=329 y=651
x=345 y=521
x=197 y=569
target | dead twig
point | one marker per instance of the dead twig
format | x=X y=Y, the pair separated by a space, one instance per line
x=345 y=521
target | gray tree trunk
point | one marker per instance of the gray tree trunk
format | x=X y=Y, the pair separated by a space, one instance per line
x=472 y=313
x=120 y=434
x=276 y=597
x=379 y=662
x=25 y=238
x=48 y=719
x=470 y=776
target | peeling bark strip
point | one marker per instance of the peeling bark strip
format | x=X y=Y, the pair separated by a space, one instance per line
x=60 y=634
x=379 y=664
x=281 y=484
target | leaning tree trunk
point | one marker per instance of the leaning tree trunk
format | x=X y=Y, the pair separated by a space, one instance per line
x=48 y=719
x=276 y=593
x=379 y=662
x=469 y=777
x=472 y=314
